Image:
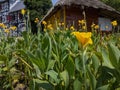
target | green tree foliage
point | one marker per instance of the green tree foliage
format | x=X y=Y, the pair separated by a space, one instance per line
x=37 y=9
x=114 y=3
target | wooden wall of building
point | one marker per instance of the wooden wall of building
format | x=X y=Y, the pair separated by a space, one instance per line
x=56 y=18
x=70 y=16
x=91 y=17
x=73 y=14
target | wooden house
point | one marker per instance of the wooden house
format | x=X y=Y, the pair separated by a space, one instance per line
x=15 y=16
x=10 y=14
x=4 y=11
x=93 y=11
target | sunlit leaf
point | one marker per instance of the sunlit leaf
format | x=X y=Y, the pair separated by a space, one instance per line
x=92 y=79
x=65 y=77
x=53 y=75
x=114 y=54
x=105 y=87
x=77 y=85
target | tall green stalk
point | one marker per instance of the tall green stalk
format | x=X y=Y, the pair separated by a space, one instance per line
x=84 y=66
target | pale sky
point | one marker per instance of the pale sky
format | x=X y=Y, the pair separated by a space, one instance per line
x=54 y=1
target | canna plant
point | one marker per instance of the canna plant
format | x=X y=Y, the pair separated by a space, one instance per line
x=60 y=60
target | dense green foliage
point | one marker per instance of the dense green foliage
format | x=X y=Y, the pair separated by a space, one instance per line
x=55 y=61
x=114 y=3
x=37 y=9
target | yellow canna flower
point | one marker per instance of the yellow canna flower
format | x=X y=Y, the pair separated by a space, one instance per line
x=23 y=11
x=13 y=28
x=93 y=25
x=114 y=23
x=72 y=28
x=2 y=25
x=36 y=20
x=83 y=37
x=81 y=22
x=96 y=27
x=62 y=24
x=7 y=31
x=49 y=27
x=84 y=27
x=44 y=22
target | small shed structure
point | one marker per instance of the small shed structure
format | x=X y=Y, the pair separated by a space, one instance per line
x=93 y=11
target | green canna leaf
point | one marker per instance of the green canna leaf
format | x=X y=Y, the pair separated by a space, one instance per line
x=105 y=87
x=42 y=85
x=70 y=66
x=77 y=85
x=95 y=63
x=53 y=75
x=65 y=77
x=114 y=55
x=92 y=79
x=3 y=58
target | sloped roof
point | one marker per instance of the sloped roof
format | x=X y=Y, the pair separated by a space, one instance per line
x=88 y=3
x=97 y=4
x=18 y=6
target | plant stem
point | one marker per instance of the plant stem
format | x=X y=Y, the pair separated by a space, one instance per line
x=84 y=67
x=23 y=61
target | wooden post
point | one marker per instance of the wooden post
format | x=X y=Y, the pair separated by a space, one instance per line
x=84 y=15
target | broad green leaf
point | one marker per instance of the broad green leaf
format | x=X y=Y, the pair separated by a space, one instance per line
x=118 y=88
x=64 y=57
x=70 y=67
x=51 y=64
x=77 y=85
x=78 y=63
x=55 y=56
x=53 y=75
x=99 y=55
x=106 y=60
x=39 y=62
x=92 y=78
x=5 y=69
x=65 y=77
x=2 y=62
x=106 y=74
x=42 y=85
x=49 y=48
x=12 y=62
x=105 y=87
x=3 y=58
x=26 y=37
x=38 y=73
x=114 y=54
x=95 y=63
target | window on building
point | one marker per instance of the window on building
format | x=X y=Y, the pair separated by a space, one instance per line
x=105 y=24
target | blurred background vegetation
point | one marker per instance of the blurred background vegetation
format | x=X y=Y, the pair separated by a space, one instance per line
x=37 y=9
x=114 y=3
